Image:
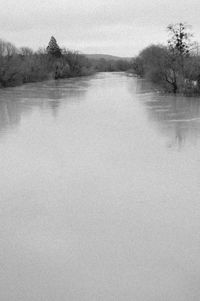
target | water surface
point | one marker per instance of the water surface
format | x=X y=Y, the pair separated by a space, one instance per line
x=99 y=192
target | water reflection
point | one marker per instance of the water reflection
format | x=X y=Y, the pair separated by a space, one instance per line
x=19 y=101
x=177 y=117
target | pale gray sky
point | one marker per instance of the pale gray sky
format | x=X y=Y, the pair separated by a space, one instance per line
x=119 y=27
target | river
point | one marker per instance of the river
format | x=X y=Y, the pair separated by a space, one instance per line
x=99 y=192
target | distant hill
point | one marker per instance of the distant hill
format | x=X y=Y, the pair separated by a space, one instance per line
x=107 y=57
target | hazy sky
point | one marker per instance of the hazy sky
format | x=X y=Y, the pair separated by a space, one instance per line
x=119 y=27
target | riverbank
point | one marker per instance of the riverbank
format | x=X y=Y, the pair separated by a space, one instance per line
x=175 y=67
x=22 y=65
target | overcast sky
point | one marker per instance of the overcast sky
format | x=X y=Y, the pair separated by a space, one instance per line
x=119 y=27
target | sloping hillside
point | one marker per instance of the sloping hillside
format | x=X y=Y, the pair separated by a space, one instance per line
x=106 y=57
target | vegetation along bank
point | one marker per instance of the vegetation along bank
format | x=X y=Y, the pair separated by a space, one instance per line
x=174 y=67
x=20 y=66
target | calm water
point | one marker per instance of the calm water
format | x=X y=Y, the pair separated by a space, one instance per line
x=99 y=192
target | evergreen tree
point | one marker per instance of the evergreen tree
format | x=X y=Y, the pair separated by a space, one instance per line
x=53 y=48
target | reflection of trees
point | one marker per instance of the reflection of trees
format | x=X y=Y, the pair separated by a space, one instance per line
x=178 y=117
x=49 y=95
x=9 y=114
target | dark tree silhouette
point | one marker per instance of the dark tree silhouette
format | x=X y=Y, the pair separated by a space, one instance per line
x=179 y=41
x=53 y=48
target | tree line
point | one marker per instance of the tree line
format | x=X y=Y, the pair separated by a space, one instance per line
x=176 y=66
x=111 y=65
x=23 y=65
